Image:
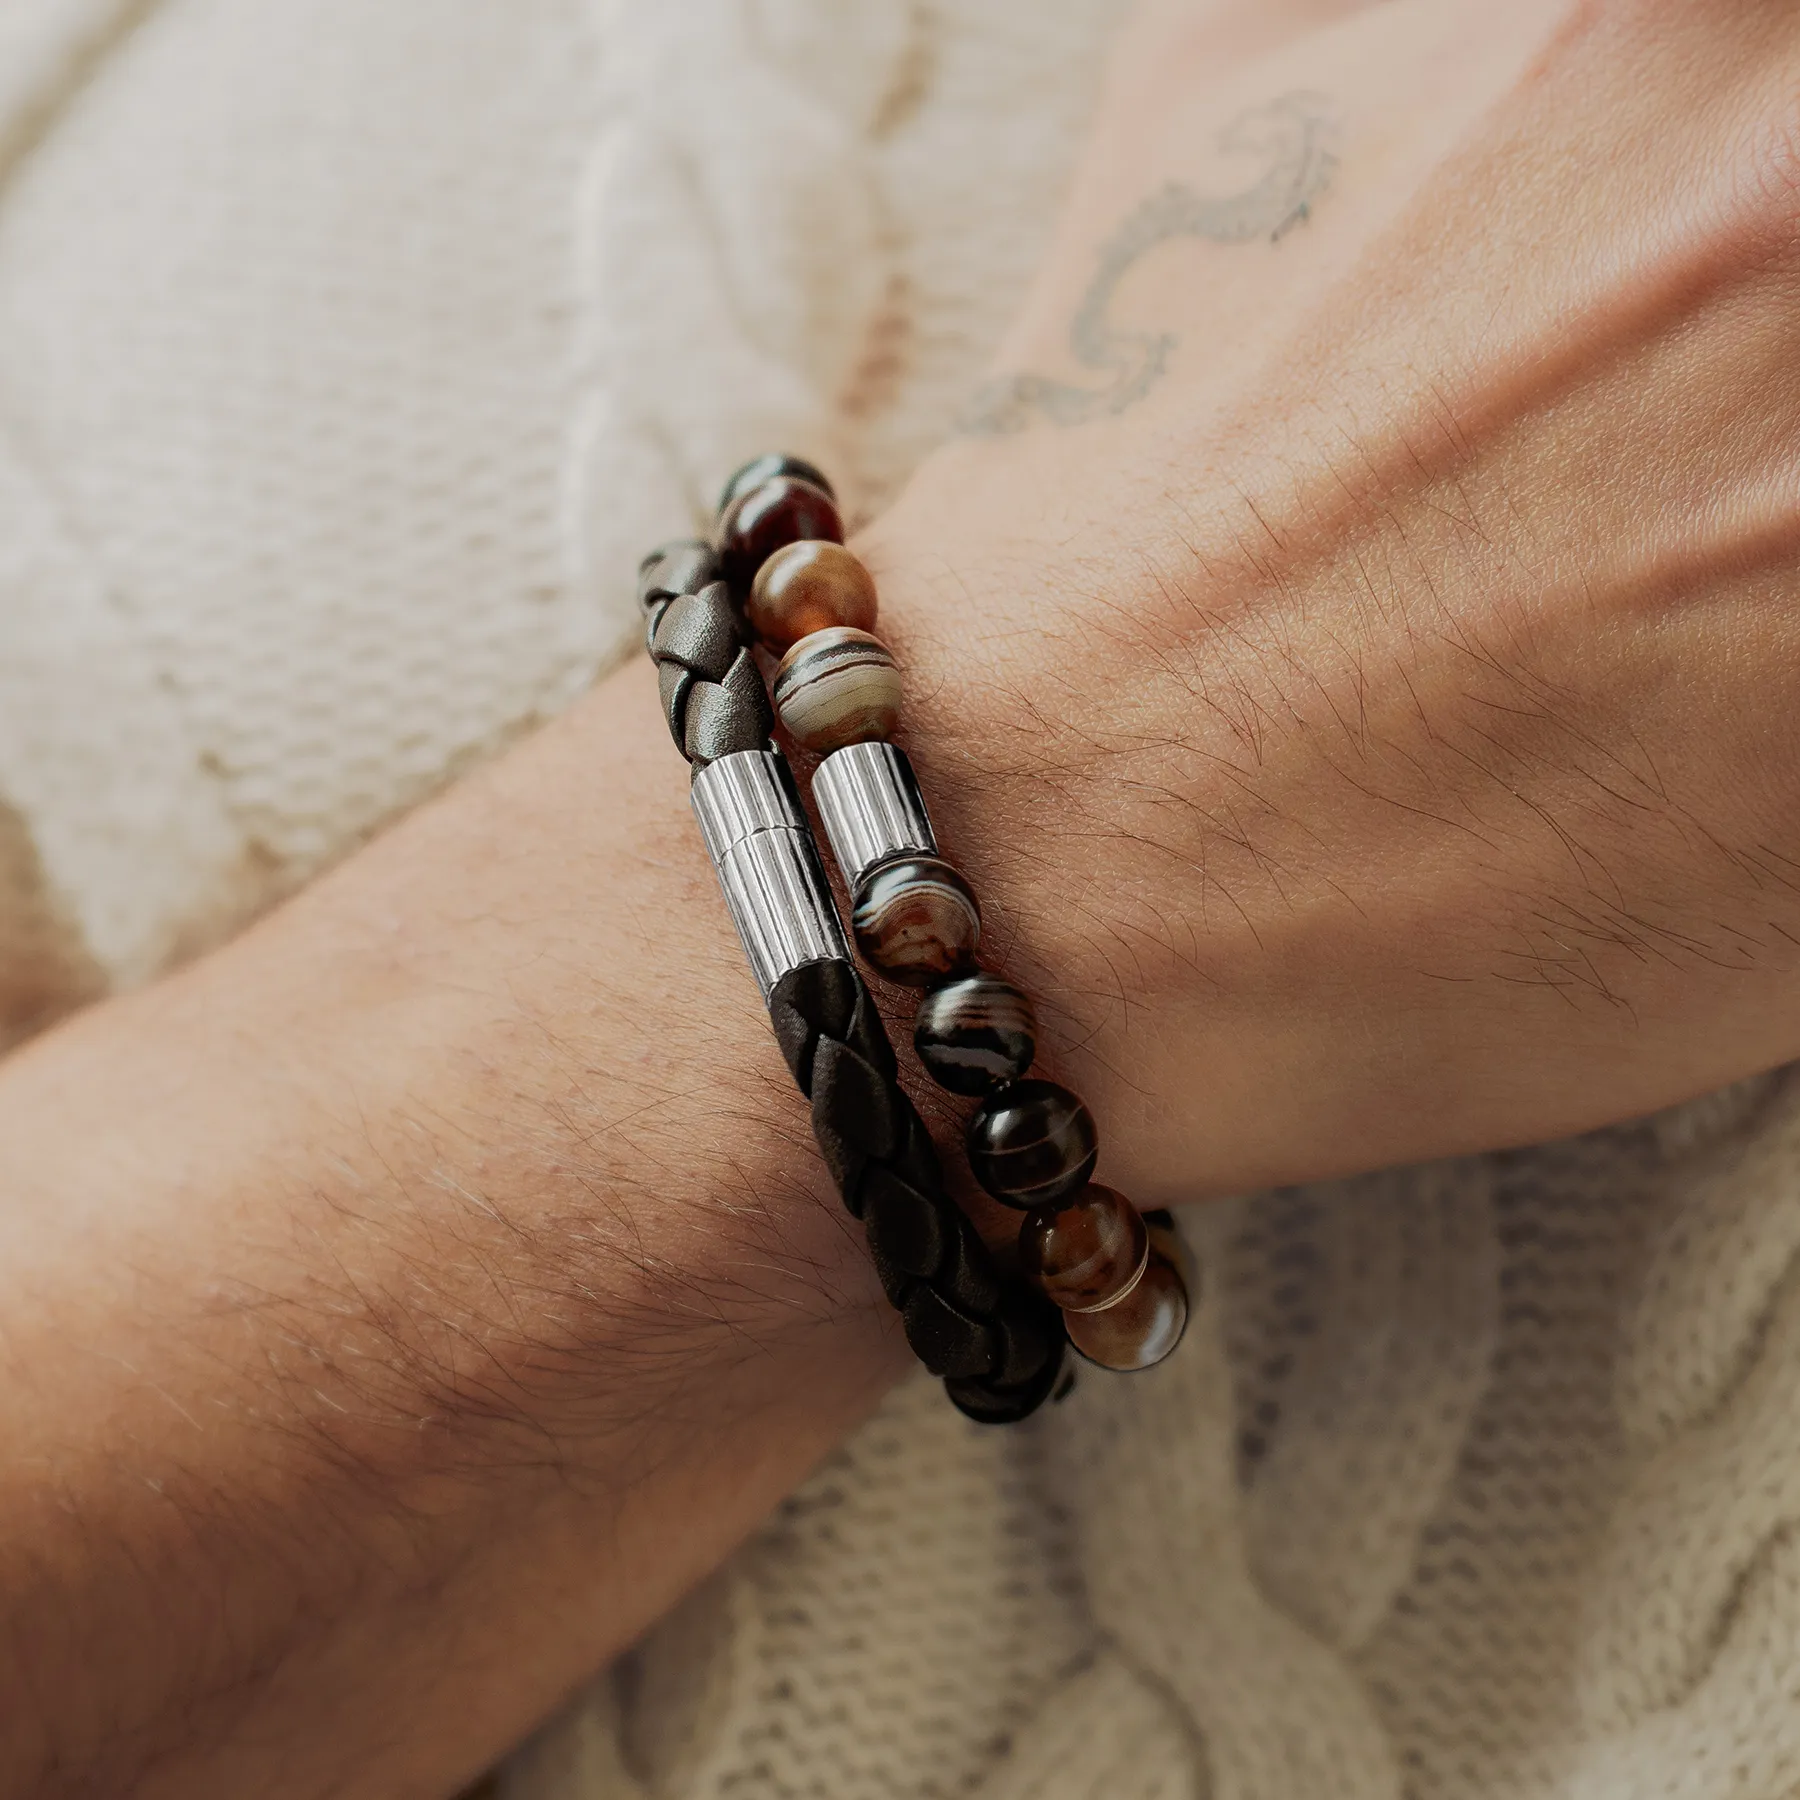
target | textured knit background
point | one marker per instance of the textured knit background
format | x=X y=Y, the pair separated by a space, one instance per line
x=349 y=354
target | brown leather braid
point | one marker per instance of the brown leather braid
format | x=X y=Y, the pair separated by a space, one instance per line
x=997 y=1343
x=712 y=693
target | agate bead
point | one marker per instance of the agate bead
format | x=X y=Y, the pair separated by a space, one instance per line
x=916 y=920
x=1085 y=1253
x=974 y=1034
x=764 y=518
x=839 y=686
x=1141 y=1329
x=765 y=468
x=809 y=586
x=1032 y=1142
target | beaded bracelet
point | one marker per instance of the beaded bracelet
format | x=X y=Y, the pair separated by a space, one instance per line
x=1120 y=1279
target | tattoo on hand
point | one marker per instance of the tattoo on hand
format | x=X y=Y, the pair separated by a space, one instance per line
x=1293 y=136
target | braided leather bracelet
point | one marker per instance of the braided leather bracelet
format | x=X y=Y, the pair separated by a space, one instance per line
x=1120 y=1278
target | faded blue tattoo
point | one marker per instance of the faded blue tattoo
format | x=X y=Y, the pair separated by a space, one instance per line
x=1293 y=137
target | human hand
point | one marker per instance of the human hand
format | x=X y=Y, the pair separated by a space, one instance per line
x=1358 y=669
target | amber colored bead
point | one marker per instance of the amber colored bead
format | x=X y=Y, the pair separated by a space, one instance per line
x=764 y=518
x=806 y=587
x=1032 y=1142
x=1140 y=1330
x=973 y=1034
x=765 y=468
x=916 y=920
x=836 y=687
x=1085 y=1253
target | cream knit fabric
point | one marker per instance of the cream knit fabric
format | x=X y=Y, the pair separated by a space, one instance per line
x=349 y=354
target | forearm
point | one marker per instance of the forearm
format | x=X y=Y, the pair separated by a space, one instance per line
x=409 y=1300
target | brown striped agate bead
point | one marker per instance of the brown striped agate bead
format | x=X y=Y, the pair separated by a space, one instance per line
x=764 y=518
x=836 y=687
x=1085 y=1253
x=1032 y=1142
x=973 y=1034
x=916 y=920
x=809 y=586
x=1140 y=1330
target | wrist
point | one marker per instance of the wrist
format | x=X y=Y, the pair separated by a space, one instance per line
x=467 y=1196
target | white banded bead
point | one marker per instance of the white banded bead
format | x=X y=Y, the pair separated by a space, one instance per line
x=836 y=687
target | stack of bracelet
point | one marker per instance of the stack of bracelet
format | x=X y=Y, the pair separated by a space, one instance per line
x=1032 y=1144
x=995 y=1340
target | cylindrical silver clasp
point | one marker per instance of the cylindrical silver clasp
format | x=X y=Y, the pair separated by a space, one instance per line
x=762 y=850
x=872 y=809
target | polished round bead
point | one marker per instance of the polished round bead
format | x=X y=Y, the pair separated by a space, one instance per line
x=1032 y=1142
x=806 y=587
x=916 y=920
x=763 y=519
x=1085 y=1253
x=973 y=1034
x=839 y=686
x=765 y=468
x=1141 y=1329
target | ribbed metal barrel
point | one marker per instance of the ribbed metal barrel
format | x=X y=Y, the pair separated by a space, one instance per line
x=762 y=850
x=873 y=813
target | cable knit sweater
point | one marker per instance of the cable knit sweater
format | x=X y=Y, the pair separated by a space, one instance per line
x=348 y=356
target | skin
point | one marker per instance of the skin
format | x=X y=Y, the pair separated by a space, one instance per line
x=1373 y=742
x=405 y=1305
x=1370 y=741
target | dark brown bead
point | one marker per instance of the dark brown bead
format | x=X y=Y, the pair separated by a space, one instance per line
x=763 y=518
x=1032 y=1142
x=1087 y=1252
x=809 y=586
x=916 y=920
x=974 y=1034
x=1141 y=1329
x=765 y=468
